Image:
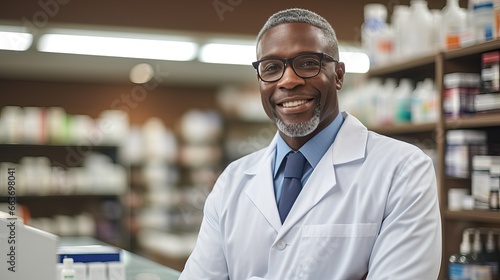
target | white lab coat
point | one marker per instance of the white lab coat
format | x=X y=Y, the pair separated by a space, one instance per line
x=370 y=206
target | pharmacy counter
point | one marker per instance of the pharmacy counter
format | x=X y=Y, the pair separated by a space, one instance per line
x=136 y=267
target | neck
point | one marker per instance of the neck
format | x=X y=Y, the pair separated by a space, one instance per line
x=296 y=142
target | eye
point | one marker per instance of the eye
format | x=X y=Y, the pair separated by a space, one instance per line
x=308 y=62
x=271 y=66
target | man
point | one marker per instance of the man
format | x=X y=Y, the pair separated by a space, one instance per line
x=367 y=207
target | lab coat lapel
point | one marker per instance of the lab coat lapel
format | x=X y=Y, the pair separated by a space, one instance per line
x=321 y=181
x=260 y=188
x=349 y=145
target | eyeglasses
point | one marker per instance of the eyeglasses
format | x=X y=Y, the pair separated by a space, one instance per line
x=305 y=65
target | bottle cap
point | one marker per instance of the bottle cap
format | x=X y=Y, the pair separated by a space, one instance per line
x=68 y=262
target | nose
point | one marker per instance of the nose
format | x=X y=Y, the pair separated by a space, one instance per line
x=290 y=79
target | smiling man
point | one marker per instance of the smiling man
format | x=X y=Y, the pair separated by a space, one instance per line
x=327 y=199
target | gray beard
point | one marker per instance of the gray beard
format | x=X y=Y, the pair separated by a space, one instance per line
x=299 y=129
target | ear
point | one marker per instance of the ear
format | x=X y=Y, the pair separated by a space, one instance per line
x=340 y=72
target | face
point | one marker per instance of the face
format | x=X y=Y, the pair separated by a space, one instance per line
x=300 y=107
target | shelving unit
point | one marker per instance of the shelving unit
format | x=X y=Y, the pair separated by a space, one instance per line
x=52 y=202
x=436 y=66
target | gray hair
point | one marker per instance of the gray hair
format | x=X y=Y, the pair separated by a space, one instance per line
x=299 y=15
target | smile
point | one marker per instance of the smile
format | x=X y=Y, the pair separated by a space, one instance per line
x=293 y=103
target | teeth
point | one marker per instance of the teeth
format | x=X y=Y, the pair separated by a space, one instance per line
x=294 y=103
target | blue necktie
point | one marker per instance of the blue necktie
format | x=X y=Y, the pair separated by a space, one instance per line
x=292 y=186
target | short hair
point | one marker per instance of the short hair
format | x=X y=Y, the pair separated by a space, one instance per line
x=298 y=15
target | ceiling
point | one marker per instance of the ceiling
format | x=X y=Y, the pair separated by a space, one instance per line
x=35 y=65
x=227 y=17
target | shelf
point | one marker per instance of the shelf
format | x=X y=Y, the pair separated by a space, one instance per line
x=473 y=121
x=474 y=216
x=58 y=146
x=415 y=68
x=466 y=60
x=64 y=196
x=404 y=128
x=473 y=50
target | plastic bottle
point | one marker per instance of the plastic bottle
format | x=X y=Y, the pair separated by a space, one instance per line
x=431 y=110
x=385 y=103
x=437 y=22
x=491 y=257
x=375 y=34
x=482 y=19
x=403 y=94
x=461 y=265
x=400 y=24
x=482 y=271
x=68 y=272
x=420 y=42
x=418 y=104
x=454 y=22
x=424 y=106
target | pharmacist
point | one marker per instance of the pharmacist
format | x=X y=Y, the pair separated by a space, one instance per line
x=368 y=205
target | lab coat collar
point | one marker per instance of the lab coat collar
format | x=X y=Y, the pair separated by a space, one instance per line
x=260 y=190
x=349 y=145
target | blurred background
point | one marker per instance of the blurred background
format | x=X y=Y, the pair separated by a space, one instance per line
x=117 y=140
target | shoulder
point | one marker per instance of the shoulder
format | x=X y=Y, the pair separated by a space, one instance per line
x=244 y=163
x=391 y=146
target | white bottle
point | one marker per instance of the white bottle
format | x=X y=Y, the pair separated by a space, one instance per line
x=400 y=24
x=431 y=98
x=68 y=272
x=454 y=22
x=385 y=103
x=402 y=104
x=437 y=22
x=482 y=19
x=418 y=104
x=421 y=28
x=373 y=31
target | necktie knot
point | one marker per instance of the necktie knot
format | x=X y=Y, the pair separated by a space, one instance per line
x=294 y=165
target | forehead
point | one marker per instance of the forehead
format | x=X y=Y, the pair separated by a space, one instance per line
x=288 y=39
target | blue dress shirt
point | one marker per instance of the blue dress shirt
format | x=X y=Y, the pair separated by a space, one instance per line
x=313 y=150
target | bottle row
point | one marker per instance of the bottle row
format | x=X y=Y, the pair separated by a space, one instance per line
x=38 y=125
x=416 y=30
x=137 y=143
x=476 y=259
x=69 y=269
x=37 y=176
x=392 y=102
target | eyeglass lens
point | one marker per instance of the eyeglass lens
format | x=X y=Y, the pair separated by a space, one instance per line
x=305 y=66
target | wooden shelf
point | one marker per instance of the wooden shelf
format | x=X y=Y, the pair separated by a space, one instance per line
x=485 y=216
x=404 y=128
x=467 y=60
x=473 y=50
x=63 y=196
x=473 y=121
x=423 y=64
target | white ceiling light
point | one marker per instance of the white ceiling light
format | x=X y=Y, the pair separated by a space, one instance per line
x=14 y=39
x=118 y=46
x=224 y=53
x=141 y=73
x=355 y=62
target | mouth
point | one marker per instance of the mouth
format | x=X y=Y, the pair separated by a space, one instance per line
x=294 y=103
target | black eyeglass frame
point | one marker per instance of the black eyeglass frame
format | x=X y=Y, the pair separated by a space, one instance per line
x=289 y=61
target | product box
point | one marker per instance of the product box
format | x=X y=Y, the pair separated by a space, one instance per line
x=480 y=179
x=458 y=93
x=487 y=102
x=461 y=147
x=89 y=254
x=490 y=72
